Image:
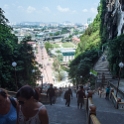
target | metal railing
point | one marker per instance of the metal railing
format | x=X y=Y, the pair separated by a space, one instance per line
x=90 y=109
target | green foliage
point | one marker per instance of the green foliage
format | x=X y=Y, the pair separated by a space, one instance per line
x=57 y=33
x=88 y=43
x=7 y=44
x=58 y=51
x=55 y=45
x=48 y=46
x=116 y=54
x=82 y=64
x=88 y=50
x=11 y=51
x=60 y=57
x=64 y=31
x=102 y=11
x=68 y=45
x=93 y=72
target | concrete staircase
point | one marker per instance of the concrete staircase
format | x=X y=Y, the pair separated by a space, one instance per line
x=102 y=67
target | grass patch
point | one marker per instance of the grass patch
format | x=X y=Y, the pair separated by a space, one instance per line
x=55 y=45
x=68 y=45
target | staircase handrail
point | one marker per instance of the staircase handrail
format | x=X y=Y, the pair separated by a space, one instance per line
x=91 y=109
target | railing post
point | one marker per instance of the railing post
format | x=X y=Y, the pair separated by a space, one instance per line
x=118 y=100
x=87 y=105
x=90 y=93
x=92 y=110
x=112 y=90
x=90 y=106
x=99 y=90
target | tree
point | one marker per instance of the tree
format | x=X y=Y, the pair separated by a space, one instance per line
x=82 y=64
x=11 y=51
x=8 y=42
x=116 y=54
x=48 y=46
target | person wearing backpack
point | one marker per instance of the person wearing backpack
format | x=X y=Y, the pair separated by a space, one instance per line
x=80 y=97
x=8 y=108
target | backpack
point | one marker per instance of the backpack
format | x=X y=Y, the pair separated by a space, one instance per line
x=65 y=95
x=51 y=92
x=13 y=101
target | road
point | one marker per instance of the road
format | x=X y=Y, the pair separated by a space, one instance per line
x=43 y=58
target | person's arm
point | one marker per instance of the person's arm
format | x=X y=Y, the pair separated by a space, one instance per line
x=43 y=116
x=77 y=94
x=71 y=94
x=84 y=94
x=47 y=92
x=17 y=110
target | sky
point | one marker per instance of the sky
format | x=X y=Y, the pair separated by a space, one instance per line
x=75 y=11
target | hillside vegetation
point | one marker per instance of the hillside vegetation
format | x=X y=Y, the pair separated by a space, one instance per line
x=93 y=40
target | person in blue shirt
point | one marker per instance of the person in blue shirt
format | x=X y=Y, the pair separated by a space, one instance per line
x=107 y=91
x=8 y=112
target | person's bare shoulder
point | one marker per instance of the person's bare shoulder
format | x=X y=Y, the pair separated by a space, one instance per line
x=43 y=116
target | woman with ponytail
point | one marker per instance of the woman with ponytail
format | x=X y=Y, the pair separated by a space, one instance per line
x=31 y=111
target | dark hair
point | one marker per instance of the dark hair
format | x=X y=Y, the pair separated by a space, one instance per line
x=81 y=87
x=3 y=93
x=27 y=92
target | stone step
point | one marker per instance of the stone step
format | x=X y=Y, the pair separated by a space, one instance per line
x=106 y=76
x=104 y=69
x=105 y=79
x=106 y=72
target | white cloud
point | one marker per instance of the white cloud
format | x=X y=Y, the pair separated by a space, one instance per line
x=63 y=9
x=84 y=10
x=20 y=7
x=13 y=4
x=30 y=9
x=46 y=9
x=93 y=10
x=6 y=6
x=74 y=11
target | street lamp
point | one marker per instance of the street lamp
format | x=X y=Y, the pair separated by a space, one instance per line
x=33 y=71
x=41 y=77
x=14 y=64
x=74 y=80
x=121 y=65
x=81 y=78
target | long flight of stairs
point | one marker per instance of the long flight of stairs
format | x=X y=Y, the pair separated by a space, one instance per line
x=102 y=67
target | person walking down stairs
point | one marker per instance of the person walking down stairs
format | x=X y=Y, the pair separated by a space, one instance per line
x=51 y=94
x=67 y=97
x=80 y=97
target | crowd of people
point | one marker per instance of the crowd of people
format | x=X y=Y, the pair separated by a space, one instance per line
x=26 y=108
x=80 y=94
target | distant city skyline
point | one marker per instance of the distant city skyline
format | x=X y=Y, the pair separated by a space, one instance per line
x=75 y=11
